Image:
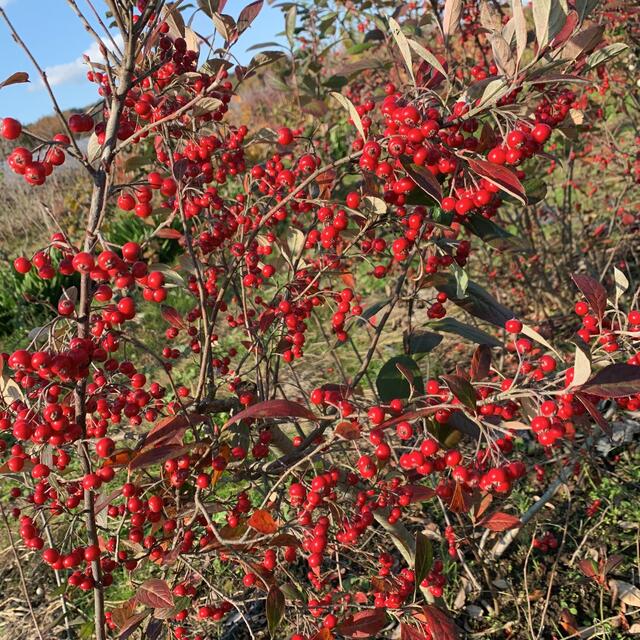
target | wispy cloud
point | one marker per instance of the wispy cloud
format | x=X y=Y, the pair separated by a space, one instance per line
x=4 y=3
x=74 y=72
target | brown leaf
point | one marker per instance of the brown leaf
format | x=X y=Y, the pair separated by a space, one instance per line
x=502 y=55
x=593 y=291
x=18 y=77
x=627 y=593
x=499 y=521
x=584 y=42
x=121 y=614
x=155 y=593
x=482 y=505
x=569 y=622
x=489 y=18
x=520 y=25
x=248 y=15
x=262 y=521
x=272 y=409
x=451 y=17
x=132 y=624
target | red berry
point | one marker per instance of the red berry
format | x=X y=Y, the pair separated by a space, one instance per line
x=513 y=326
x=10 y=129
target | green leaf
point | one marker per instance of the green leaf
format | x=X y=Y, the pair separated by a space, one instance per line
x=428 y=57
x=422 y=341
x=274 y=609
x=264 y=58
x=462 y=389
x=605 y=54
x=392 y=379
x=359 y=48
x=462 y=280
x=353 y=114
x=371 y=311
x=263 y=45
x=549 y=17
x=451 y=325
x=493 y=235
x=290 y=23
x=335 y=82
x=476 y=301
x=403 y=45
x=424 y=558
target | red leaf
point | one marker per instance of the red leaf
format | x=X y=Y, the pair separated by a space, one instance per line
x=273 y=409
x=567 y=30
x=104 y=500
x=349 y=280
x=120 y=458
x=171 y=429
x=499 y=521
x=326 y=182
x=439 y=624
x=149 y=457
x=502 y=177
x=363 y=624
x=411 y=633
x=132 y=624
x=460 y=501
x=481 y=362
x=170 y=315
x=248 y=15
x=409 y=415
x=169 y=234
x=594 y=413
x=155 y=593
x=420 y=493
x=425 y=180
x=615 y=381
x=348 y=430
x=593 y=291
x=266 y=319
x=588 y=567
x=263 y=522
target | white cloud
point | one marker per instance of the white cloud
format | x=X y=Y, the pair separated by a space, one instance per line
x=4 y=3
x=75 y=72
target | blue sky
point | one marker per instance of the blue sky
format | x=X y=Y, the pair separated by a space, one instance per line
x=56 y=38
